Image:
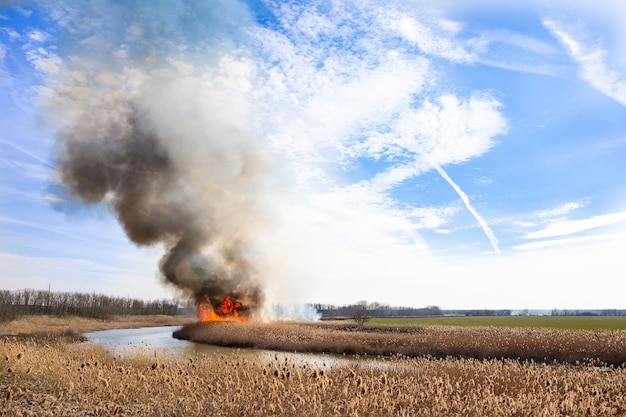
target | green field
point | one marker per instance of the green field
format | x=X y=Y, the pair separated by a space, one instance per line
x=597 y=323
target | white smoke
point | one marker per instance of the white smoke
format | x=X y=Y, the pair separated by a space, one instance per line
x=300 y=312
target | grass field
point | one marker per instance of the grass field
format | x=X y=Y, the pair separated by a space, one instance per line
x=594 y=323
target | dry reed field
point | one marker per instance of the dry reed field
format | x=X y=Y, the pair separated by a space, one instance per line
x=69 y=328
x=62 y=379
x=48 y=376
x=538 y=345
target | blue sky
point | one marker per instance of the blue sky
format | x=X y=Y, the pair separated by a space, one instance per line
x=411 y=153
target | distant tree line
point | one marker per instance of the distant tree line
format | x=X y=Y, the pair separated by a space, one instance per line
x=37 y=302
x=374 y=309
x=363 y=310
x=481 y=312
x=601 y=312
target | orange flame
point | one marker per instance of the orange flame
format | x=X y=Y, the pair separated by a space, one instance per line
x=227 y=311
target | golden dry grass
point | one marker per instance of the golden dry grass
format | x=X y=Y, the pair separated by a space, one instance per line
x=50 y=326
x=539 y=345
x=60 y=379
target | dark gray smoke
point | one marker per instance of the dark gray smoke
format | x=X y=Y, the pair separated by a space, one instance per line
x=154 y=108
x=184 y=193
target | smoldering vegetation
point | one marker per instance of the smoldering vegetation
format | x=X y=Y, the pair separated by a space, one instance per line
x=67 y=380
x=537 y=345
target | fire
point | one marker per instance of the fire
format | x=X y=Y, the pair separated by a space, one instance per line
x=227 y=311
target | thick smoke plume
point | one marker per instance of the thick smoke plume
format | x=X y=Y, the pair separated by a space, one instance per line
x=179 y=171
x=152 y=119
x=158 y=117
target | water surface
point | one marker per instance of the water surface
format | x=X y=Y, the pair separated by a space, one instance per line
x=158 y=342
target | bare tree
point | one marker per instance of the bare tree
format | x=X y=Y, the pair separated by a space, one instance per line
x=360 y=314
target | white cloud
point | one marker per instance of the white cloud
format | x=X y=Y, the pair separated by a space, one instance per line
x=450 y=130
x=546 y=277
x=522 y=223
x=504 y=36
x=44 y=60
x=433 y=217
x=456 y=130
x=11 y=33
x=605 y=16
x=483 y=181
x=23 y=11
x=319 y=98
x=329 y=106
x=591 y=56
x=543 y=244
x=568 y=227
x=561 y=210
x=518 y=52
x=613 y=143
x=574 y=275
x=37 y=36
x=27 y=152
x=431 y=33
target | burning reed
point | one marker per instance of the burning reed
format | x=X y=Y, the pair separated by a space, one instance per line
x=538 y=345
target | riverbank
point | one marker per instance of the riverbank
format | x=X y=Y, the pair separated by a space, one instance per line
x=71 y=328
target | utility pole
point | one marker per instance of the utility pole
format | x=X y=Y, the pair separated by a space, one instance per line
x=48 y=301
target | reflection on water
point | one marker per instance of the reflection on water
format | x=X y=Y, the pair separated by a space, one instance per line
x=158 y=342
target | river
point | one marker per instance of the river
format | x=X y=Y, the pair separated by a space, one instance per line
x=158 y=342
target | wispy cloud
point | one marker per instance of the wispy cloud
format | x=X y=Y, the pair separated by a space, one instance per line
x=44 y=60
x=330 y=106
x=518 y=52
x=67 y=232
x=561 y=210
x=27 y=152
x=38 y=35
x=591 y=57
x=569 y=227
x=544 y=244
x=613 y=143
x=488 y=38
x=11 y=33
x=433 y=217
x=433 y=34
x=448 y=130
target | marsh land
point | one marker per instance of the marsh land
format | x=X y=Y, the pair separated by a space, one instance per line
x=54 y=376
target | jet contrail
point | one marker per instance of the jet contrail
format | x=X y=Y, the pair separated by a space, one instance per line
x=492 y=238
